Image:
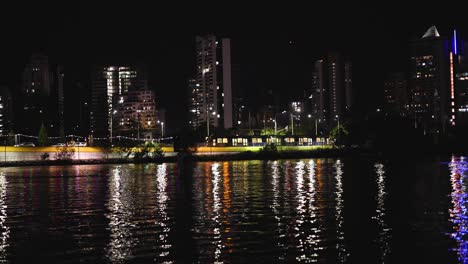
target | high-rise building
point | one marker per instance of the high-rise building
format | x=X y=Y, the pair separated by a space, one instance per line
x=348 y=83
x=460 y=81
x=335 y=82
x=429 y=80
x=108 y=83
x=318 y=94
x=61 y=100
x=395 y=94
x=135 y=113
x=211 y=101
x=36 y=76
x=196 y=106
x=6 y=111
x=332 y=95
x=36 y=90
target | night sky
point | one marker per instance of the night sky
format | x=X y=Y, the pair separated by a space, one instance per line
x=273 y=46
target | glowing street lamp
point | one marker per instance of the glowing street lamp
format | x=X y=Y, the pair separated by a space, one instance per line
x=162 y=128
x=111 y=120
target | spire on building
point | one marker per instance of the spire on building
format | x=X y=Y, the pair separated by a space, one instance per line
x=431 y=33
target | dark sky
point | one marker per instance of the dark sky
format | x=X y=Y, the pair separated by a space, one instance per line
x=375 y=37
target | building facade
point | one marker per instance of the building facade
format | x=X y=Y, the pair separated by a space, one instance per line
x=135 y=114
x=107 y=84
x=429 y=82
x=36 y=91
x=6 y=111
x=211 y=91
x=332 y=90
x=395 y=94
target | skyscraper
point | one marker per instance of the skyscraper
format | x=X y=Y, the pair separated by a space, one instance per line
x=460 y=81
x=318 y=94
x=6 y=110
x=36 y=90
x=107 y=83
x=332 y=94
x=211 y=102
x=429 y=82
x=61 y=100
x=135 y=113
x=335 y=84
x=395 y=94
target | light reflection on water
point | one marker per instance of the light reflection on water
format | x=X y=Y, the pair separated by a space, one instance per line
x=4 y=229
x=384 y=231
x=458 y=212
x=121 y=240
x=162 y=221
x=282 y=211
x=339 y=205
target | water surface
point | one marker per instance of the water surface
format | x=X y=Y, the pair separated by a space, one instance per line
x=286 y=211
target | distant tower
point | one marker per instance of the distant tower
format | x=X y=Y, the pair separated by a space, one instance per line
x=395 y=94
x=107 y=83
x=429 y=82
x=6 y=111
x=348 y=85
x=332 y=93
x=36 y=89
x=318 y=94
x=211 y=93
x=61 y=101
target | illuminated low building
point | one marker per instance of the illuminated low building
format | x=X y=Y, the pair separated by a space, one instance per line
x=135 y=113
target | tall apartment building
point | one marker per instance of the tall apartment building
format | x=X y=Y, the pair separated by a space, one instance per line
x=135 y=113
x=42 y=97
x=108 y=83
x=36 y=91
x=429 y=82
x=211 y=91
x=331 y=95
x=6 y=111
x=395 y=94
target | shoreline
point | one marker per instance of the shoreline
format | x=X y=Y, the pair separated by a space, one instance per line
x=318 y=153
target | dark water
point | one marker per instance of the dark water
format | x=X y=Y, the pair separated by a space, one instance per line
x=286 y=211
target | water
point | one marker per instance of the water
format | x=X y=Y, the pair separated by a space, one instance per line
x=285 y=211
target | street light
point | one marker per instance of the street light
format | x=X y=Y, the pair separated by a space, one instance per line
x=292 y=124
x=111 y=119
x=338 y=117
x=274 y=120
x=162 y=128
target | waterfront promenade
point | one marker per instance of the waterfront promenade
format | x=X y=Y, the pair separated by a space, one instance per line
x=13 y=154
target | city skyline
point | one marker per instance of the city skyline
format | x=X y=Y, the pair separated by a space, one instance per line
x=267 y=43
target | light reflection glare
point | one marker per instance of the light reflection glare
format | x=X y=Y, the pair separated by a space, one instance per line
x=216 y=178
x=300 y=210
x=340 y=243
x=161 y=208
x=384 y=235
x=313 y=238
x=458 y=213
x=276 y=207
x=4 y=230
x=121 y=239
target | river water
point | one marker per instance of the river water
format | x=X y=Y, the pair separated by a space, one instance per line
x=350 y=210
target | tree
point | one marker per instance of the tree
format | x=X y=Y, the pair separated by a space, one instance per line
x=149 y=150
x=271 y=132
x=186 y=141
x=11 y=138
x=339 y=135
x=42 y=137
